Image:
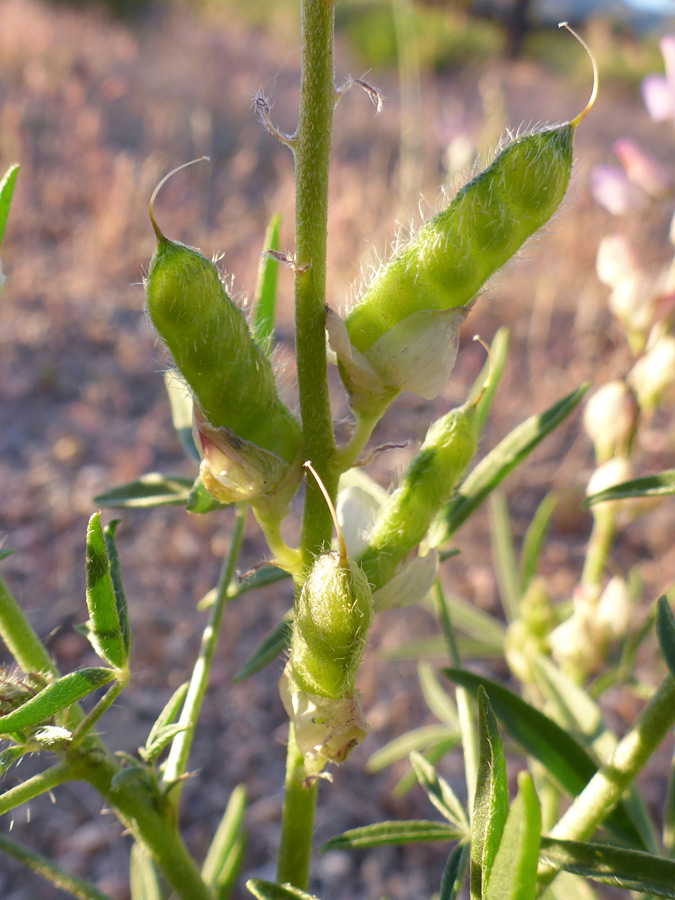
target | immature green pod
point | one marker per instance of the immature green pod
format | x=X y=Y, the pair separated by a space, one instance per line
x=416 y=301
x=426 y=486
x=331 y=618
x=208 y=337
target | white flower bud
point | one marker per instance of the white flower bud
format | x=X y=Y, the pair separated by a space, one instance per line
x=614 y=610
x=633 y=302
x=614 y=471
x=609 y=419
x=356 y=510
x=616 y=260
x=654 y=372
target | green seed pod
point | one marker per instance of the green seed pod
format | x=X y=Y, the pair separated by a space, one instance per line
x=332 y=616
x=208 y=337
x=426 y=486
x=408 y=309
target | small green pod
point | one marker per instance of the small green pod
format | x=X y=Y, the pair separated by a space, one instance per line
x=212 y=346
x=331 y=619
x=406 y=516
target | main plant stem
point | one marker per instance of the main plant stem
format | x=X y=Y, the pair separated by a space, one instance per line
x=312 y=152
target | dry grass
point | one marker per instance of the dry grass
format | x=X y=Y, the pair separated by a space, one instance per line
x=95 y=113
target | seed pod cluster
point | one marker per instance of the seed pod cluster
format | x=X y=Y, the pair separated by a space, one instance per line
x=211 y=344
x=426 y=486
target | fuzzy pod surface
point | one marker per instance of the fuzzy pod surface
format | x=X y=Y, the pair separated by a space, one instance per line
x=457 y=250
x=332 y=616
x=406 y=516
x=212 y=346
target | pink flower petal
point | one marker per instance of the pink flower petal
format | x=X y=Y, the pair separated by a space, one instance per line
x=642 y=168
x=658 y=98
x=611 y=188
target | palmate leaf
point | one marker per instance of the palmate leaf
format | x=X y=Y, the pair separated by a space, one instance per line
x=384 y=833
x=568 y=763
x=650 y=486
x=628 y=869
x=494 y=468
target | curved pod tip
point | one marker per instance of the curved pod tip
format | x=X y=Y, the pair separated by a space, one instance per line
x=594 y=91
x=155 y=227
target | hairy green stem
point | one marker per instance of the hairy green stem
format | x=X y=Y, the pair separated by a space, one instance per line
x=297 y=820
x=312 y=151
x=602 y=535
x=607 y=786
x=139 y=807
x=41 y=783
x=71 y=884
x=19 y=637
x=180 y=748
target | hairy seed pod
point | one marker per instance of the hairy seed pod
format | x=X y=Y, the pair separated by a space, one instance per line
x=210 y=342
x=332 y=616
x=446 y=264
x=331 y=619
x=426 y=486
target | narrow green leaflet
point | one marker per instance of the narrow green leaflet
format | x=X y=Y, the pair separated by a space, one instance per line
x=231 y=868
x=491 y=373
x=6 y=191
x=627 y=869
x=568 y=763
x=491 y=801
x=436 y=697
x=453 y=873
x=116 y=576
x=476 y=623
x=143 y=881
x=514 y=873
x=104 y=629
x=494 y=468
x=200 y=501
x=226 y=835
x=56 y=696
x=180 y=400
x=650 y=486
x=504 y=555
x=665 y=629
x=266 y=289
x=278 y=640
x=436 y=648
x=268 y=890
x=534 y=539
x=403 y=745
x=5 y=553
x=149 y=490
x=400 y=832
x=440 y=793
x=151 y=752
x=71 y=884
x=432 y=754
x=169 y=714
